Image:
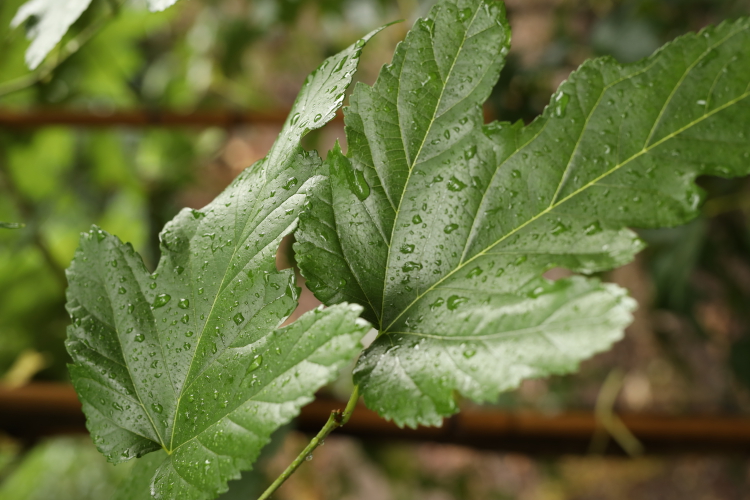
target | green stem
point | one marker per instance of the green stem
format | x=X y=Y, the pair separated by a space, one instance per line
x=28 y=211
x=336 y=420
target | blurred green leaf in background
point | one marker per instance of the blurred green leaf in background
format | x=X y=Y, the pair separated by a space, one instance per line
x=687 y=351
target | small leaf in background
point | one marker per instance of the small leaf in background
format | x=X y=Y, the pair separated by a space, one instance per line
x=191 y=359
x=11 y=225
x=157 y=5
x=442 y=226
x=63 y=468
x=48 y=20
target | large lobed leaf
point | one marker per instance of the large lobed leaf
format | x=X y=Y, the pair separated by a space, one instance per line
x=442 y=227
x=190 y=359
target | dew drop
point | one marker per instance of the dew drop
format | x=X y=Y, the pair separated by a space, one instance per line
x=536 y=292
x=474 y=272
x=411 y=266
x=290 y=183
x=161 y=300
x=593 y=228
x=450 y=228
x=157 y=407
x=238 y=318
x=455 y=184
x=406 y=248
x=561 y=103
x=464 y=14
x=559 y=228
x=255 y=364
x=469 y=353
x=357 y=183
x=183 y=304
x=454 y=301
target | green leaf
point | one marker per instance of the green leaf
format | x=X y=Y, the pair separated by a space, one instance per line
x=191 y=359
x=63 y=468
x=158 y=5
x=11 y=225
x=442 y=227
x=50 y=21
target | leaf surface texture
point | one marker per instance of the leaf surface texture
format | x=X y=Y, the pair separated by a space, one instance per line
x=191 y=359
x=442 y=226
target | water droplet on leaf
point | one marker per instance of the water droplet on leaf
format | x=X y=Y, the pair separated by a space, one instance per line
x=161 y=300
x=255 y=364
x=454 y=301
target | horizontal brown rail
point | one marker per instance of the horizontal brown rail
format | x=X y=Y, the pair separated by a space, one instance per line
x=43 y=409
x=136 y=118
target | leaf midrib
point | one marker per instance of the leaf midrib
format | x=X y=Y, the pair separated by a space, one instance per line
x=220 y=290
x=254 y=397
x=419 y=152
x=588 y=185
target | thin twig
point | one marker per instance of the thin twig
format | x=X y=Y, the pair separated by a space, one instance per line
x=610 y=422
x=28 y=211
x=336 y=420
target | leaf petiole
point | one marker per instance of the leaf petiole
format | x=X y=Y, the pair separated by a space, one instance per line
x=336 y=420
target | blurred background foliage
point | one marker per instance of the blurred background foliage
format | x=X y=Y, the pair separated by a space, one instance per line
x=688 y=350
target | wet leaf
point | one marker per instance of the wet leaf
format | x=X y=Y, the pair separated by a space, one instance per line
x=447 y=245
x=191 y=359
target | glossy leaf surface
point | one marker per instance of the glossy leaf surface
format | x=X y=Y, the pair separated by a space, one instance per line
x=442 y=227
x=191 y=359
